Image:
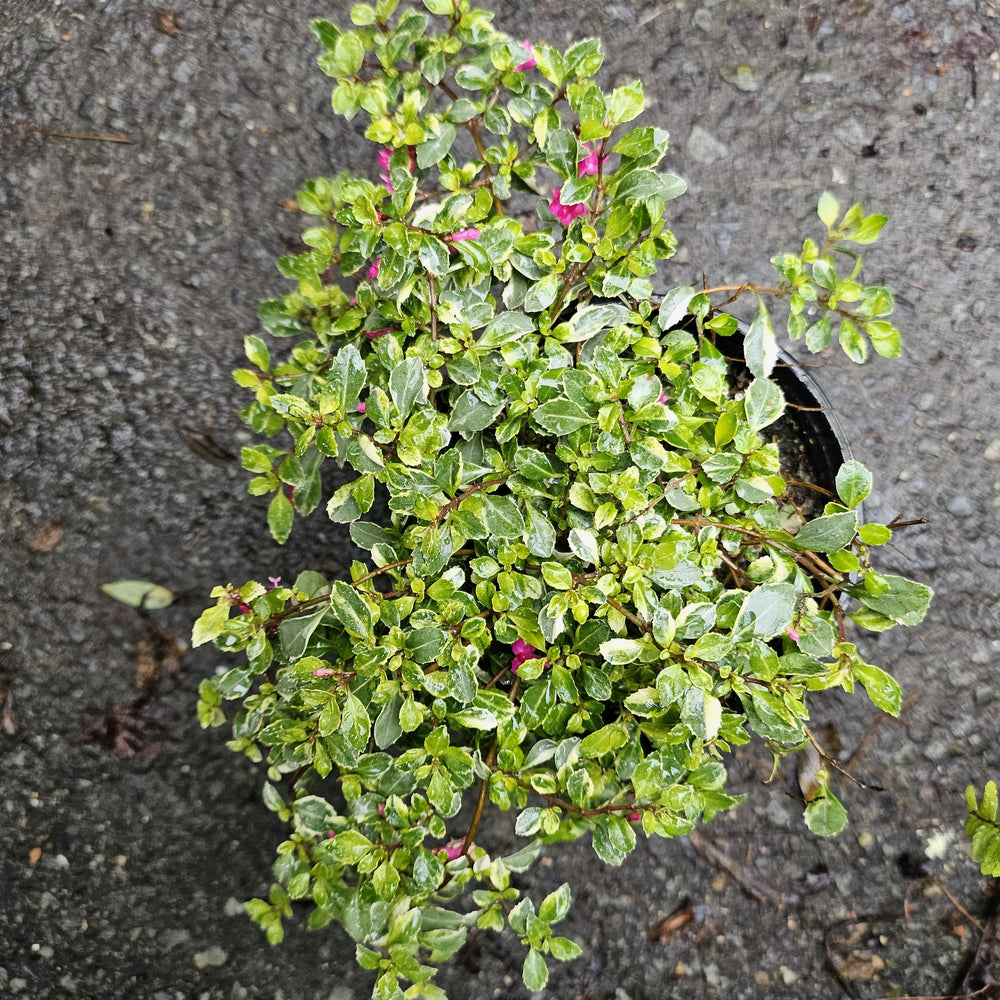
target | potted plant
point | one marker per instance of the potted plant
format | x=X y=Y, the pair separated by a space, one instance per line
x=592 y=581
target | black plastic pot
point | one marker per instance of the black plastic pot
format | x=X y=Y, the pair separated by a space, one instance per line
x=809 y=424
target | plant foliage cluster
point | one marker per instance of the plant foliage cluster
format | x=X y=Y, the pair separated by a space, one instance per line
x=591 y=584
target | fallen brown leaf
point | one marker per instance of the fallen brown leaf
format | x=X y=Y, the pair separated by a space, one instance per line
x=7 y=721
x=205 y=447
x=669 y=925
x=146 y=667
x=46 y=537
x=166 y=22
x=33 y=855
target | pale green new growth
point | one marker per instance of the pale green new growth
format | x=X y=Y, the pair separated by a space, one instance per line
x=590 y=585
x=983 y=829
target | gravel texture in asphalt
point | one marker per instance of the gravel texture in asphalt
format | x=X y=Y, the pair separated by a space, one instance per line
x=129 y=275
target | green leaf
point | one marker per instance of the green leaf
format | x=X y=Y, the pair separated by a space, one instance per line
x=618 y=651
x=614 y=839
x=760 y=346
x=904 y=601
x=347 y=377
x=502 y=517
x=828 y=533
x=883 y=690
x=770 y=608
x=210 y=624
x=825 y=816
x=555 y=906
x=852 y=341
x=561 y=417
x=407 y=384
x=139 y=594
x=763 y=403
x=350 y=610
x=854 y=483
x=424 y=644
x=828 y=209
x=535 y=973
x=295 y=633
x=280 y=515
x=590 y=320
x=605 y=740
x=674 y=306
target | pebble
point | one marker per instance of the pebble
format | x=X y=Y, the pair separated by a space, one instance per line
x=960 y=506
x=703 y=147
x=742 y=77
x=992 y=452
x=213 y=956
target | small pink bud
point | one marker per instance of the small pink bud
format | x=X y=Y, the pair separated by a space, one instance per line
x=375 y=334
x=381 y=809
x=528 y=63
x=465 y=234
x=244 y=610
x=633 y=816
x=373 y=270
x=361 y=407
x=792 y=634
x=323 y=672
x=330 y=835
x=662 y=398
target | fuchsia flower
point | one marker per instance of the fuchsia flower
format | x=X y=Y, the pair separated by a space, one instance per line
x=373 y=270
x=384 y=156
x=792 y=634
x=464 y=234
x=590 y=164
x=375 y=334
x=528 y=63
x=522 y=651
x=274 y=581
x=454 y=849
x=565 y=214
x=633 y=816
x=661 y=398
x=361 y=407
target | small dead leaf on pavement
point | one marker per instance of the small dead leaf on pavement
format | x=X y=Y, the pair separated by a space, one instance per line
x=166 y=22
x=204 y=446
x=669 y=925
x=7 y=721
x=46 y=537
x=33 y=855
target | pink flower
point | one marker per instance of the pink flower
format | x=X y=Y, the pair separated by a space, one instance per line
x=323 y=672
x=792 y=634
x=384 y=156
x=565 y=214
x=274 y=581
x=375 y=334
x=361 y=407
x=330 y=834
x=590 y=164
x=454 y=849
x=464 y=234
x=244 y=610
x=661 y=398
x=528 y=63
x=522 y=651
x=633 y=816
x=373 y=270
x=381 y=809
